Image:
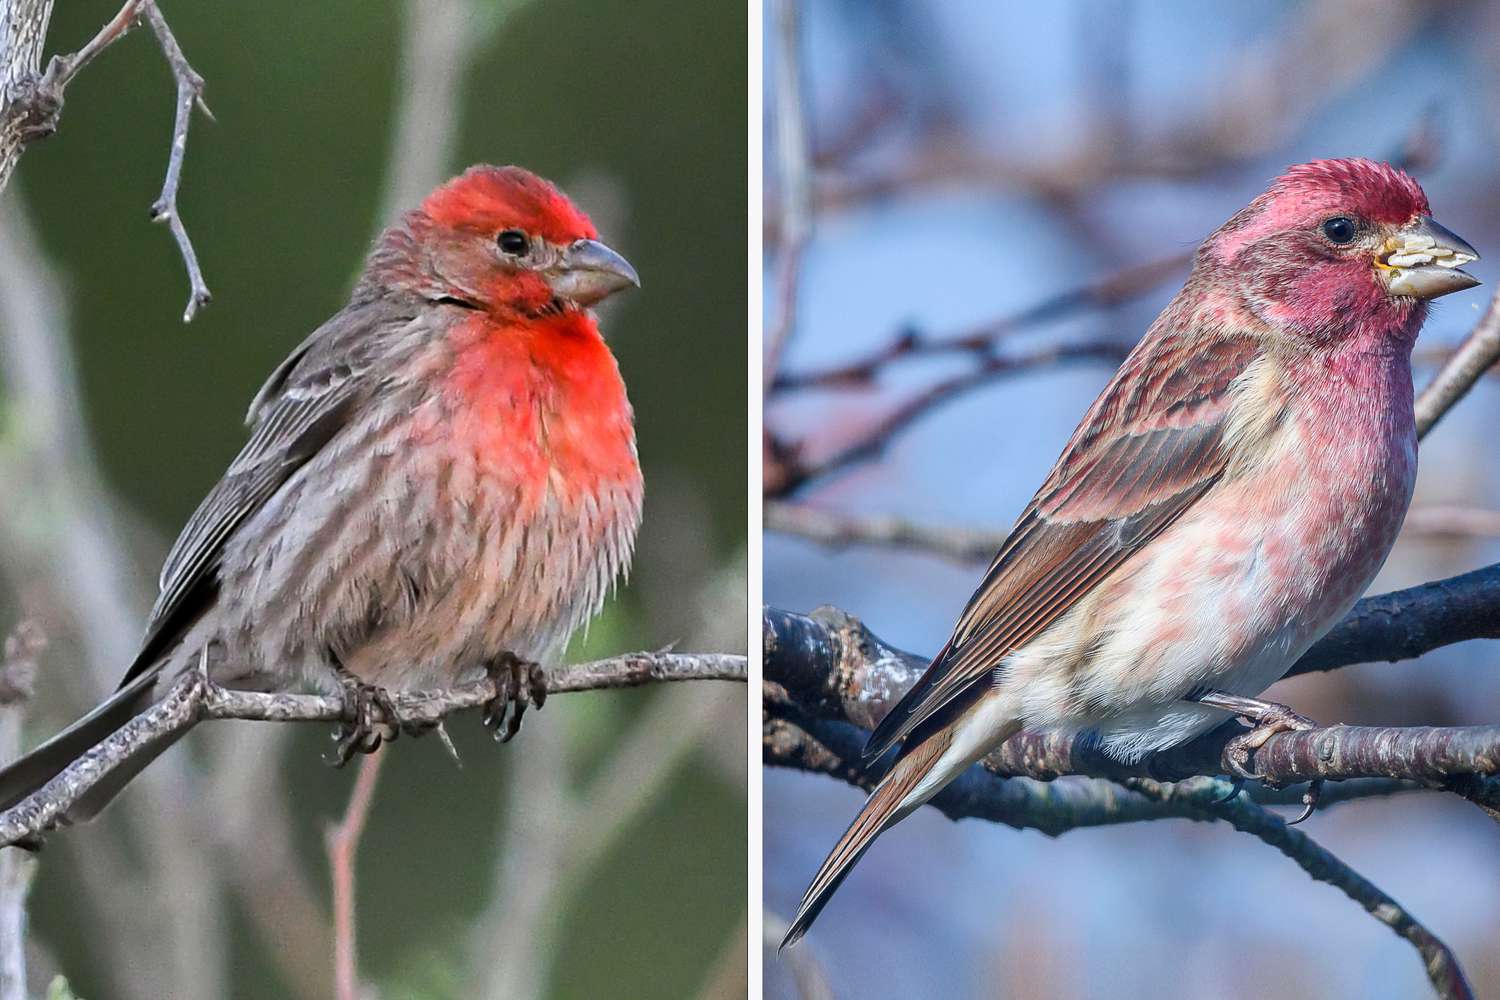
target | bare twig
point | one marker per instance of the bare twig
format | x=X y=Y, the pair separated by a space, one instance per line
x=797 y=470
x=984 y=340
x=341 y=841
x=192 y=700
x=794 y=177
x=836 y=530
x=34 y=105
x=1272 y=87
x=1442 y=967
x=164 y=209
x=1480 y=352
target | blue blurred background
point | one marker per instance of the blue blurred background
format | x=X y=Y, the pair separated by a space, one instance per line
x=603 y=851
x=970 y=160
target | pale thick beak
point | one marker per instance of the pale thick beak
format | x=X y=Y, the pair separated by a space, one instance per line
x=1423 y=261
x=588 y=272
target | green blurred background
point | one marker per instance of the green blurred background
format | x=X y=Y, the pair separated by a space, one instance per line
x=639 y=111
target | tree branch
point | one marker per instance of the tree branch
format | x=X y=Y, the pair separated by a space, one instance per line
x=794 y=176
x=829 y=665
x=193 y=699
x=837 y=529
x=1479 y=352
x=1443 y=970
x=34 y=101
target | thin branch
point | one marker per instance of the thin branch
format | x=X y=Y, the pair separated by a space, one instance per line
x=34 y=105
x=1442 y=967
x=341 y=841
x=164 y=209
x=1479 y=352
x=837 y=530
x=192 y=700
x=797 y=471
x=794 y=177
x=983 y=340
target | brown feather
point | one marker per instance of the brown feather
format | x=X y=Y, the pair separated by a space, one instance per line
x=1151 y=445
x=881 y=811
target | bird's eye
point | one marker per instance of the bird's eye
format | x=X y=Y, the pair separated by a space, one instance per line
x=513 y=242
x=1340 y=230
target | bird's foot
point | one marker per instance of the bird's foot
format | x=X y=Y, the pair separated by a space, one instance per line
x=1266 y=718
x=375 y=720
x=518 y=684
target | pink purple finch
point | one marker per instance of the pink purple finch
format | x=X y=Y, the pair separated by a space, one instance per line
x=1224 y=502
x=440 y=480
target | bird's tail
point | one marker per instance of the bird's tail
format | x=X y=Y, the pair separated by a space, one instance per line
x=27 y=774
x=900 y=792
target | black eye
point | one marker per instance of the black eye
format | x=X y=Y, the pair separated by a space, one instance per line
x=513 y=242
x=1340 y=230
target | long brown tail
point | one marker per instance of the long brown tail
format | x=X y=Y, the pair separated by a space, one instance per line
x=29 y=773
x=887 y=805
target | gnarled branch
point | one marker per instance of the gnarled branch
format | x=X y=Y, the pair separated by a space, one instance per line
x=829 y=665
x=193 y=699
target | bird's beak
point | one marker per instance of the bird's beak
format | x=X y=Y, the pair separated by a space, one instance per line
x=587 y=271
x=1422 y=260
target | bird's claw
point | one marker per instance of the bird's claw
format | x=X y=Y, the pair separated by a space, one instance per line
x=1235 y=788
x=375 y=720
x=1266 y=720
x=1310 y=799
x=518 y=684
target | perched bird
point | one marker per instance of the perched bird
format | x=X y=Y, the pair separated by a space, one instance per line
x=1226 y=499
x=440 y=481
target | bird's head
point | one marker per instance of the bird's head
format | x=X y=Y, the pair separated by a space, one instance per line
x=502 y=238
x=1338 y=246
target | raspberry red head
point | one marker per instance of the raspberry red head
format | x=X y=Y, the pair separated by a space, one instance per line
x=1338 y=249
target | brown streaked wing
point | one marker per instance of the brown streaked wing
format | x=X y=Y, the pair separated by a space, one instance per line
x=1148 y=448
x=303 y=405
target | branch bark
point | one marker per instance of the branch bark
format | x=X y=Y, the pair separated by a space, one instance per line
x=193 y=699
x=829 y=665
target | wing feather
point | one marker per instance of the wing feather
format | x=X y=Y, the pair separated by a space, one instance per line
x=1149 y=448
x=303 y=405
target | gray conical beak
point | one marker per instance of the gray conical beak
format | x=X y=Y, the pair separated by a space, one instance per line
x=587 y=272
x=1423 y=259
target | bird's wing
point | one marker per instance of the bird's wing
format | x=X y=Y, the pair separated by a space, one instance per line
x=301 y=407
x=1150 y=446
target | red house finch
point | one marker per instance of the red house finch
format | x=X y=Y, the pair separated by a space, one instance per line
x=1224 y=502
x=441 y=479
